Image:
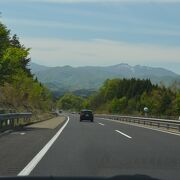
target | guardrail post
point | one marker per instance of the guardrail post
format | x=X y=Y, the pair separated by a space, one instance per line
x=24 y=120
x=12 y=120
x=12 y=123
x=1 y=124
x=17 y=121
x=6 y=122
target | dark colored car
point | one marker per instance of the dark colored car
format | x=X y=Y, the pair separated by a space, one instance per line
x=86 y=115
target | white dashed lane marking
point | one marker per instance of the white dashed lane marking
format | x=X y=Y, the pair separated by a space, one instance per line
x=123 y=134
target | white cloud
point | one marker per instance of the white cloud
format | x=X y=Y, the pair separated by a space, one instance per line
x=56 y=24
x=106 y=1
x=110 y=1
x=65 y=25
x=55 y=52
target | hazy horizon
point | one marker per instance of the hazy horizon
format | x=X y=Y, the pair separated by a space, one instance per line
x=102 y=66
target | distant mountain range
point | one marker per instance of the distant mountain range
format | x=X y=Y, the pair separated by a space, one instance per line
x=68 y=78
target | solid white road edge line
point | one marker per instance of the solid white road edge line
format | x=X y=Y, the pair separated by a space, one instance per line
x=32 y=164
x=123 y=134
x=101 y=124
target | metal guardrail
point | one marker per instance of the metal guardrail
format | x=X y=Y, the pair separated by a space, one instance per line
x=12 y=120
x=160 y=123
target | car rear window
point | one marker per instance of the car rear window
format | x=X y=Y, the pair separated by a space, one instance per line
x=87 y=112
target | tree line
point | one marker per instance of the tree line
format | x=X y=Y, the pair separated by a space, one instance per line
x=19 y=89
x=129 y=96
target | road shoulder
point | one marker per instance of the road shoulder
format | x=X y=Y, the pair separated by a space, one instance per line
x=19 y=147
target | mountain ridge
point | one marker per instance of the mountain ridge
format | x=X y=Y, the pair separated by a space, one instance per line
x=68 y=78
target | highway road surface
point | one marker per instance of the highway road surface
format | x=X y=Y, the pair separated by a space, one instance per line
x=106 y=148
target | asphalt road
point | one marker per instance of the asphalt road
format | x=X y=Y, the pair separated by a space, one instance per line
x=18 y=147
x=106 y=148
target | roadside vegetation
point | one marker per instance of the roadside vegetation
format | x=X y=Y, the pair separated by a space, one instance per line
x=122 y=96
x=19 y=90
x=130 y=96
x=71 y=102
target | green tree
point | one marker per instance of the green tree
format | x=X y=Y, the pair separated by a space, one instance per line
x=177 y=102
x=70 y=102
x=10 y=63
x=17 y=85
x=131 y=107
x=24 y=61
x=4 y=39
x=118 y=105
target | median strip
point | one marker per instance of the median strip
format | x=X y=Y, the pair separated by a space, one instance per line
x=123 y=134
x=32 y=164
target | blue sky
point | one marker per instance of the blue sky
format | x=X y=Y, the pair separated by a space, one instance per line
x=97 y=32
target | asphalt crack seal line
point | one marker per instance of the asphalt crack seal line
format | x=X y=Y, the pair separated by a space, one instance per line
x=123 y=134
x=32 y=164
